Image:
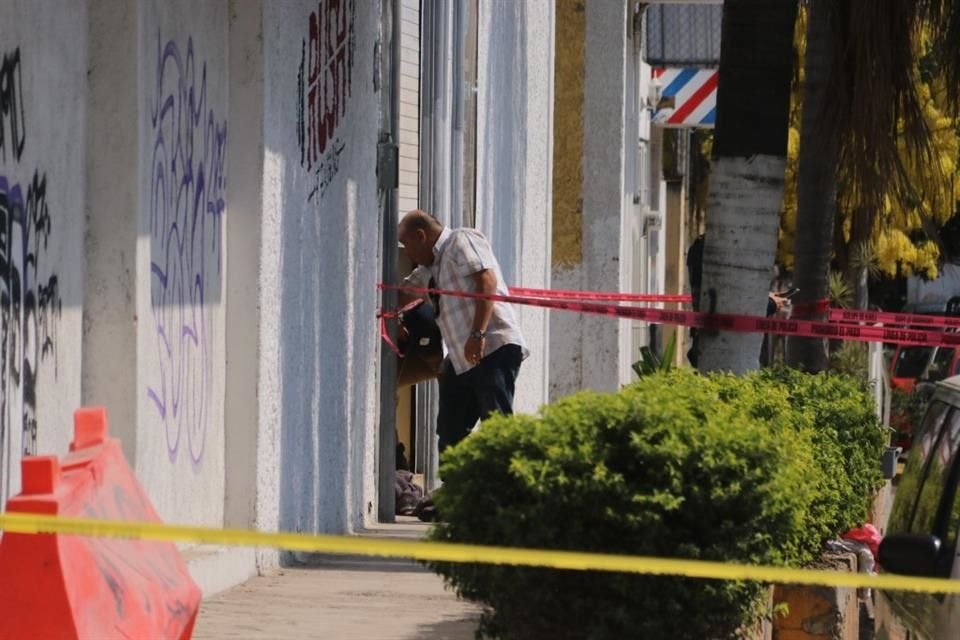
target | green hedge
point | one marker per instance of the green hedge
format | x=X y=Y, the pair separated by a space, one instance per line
x=758 y=469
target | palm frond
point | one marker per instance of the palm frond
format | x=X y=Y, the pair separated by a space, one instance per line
x=943 y=16
x=877 y=96
x=863 y=257
x=841 y=295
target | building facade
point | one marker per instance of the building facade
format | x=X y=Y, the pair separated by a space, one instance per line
x=193 y=229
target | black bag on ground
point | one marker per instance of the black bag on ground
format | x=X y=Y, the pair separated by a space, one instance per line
x=422 y=348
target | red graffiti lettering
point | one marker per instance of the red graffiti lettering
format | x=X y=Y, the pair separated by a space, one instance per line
x=325 y=78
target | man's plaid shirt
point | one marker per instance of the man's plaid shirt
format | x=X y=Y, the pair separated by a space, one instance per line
x=457 y=256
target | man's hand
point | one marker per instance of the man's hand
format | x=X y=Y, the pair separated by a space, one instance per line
x=779 y=301
x=473 y=351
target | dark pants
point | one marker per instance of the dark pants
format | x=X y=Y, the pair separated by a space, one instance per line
x=475 y=394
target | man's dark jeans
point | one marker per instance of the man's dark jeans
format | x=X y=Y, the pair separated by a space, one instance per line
x=475 y=394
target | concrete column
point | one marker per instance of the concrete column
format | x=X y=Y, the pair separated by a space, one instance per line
x=676 y=233
x=110 y=315
x=566 y=329
x=320 y=258
x=587 y=352
x=514 y=163
x=182 y=177
x=676 y=275
x=605 y=144
x=252 y=281
x=161 y=226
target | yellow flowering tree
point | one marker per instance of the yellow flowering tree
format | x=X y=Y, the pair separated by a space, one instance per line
x=901 y=236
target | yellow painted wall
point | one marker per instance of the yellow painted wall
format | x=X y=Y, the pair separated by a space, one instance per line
x=569 y=64
x=404 y=423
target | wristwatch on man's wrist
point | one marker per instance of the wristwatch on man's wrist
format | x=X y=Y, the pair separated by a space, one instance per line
x=478 y=335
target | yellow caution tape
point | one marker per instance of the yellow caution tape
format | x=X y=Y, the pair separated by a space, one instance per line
x=449 y=552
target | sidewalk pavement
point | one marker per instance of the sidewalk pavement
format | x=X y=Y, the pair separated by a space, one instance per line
x=343 y=598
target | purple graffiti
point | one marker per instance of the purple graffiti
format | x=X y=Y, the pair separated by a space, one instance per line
x=188 y=190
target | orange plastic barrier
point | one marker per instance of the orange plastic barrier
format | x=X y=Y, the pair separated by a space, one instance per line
x=62 y=586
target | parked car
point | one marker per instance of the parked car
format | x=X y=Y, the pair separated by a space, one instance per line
x=911 y=363
x=915 y=368
x=921 y=535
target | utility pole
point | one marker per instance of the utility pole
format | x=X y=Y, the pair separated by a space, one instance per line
x=388 y=182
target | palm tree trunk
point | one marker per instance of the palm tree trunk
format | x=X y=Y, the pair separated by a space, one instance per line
x=858 y=271
x=816 y=189
x=747 y=175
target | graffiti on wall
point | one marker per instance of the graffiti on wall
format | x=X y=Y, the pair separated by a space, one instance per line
x=323 y=87
x=30 y=304
x=187 y=202
x=12 y=129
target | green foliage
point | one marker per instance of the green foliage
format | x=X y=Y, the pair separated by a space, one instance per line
x=842 y=411
x=852 y=359
x=679 y=465
x=649 y=362
x=907 y=409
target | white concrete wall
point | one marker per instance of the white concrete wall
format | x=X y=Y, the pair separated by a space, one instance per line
x=514 y=163
x=43 y=75
x=322 y=117
x=181 y=258
x=145 y=286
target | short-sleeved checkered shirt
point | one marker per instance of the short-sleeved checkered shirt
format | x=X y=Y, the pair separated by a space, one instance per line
x=457 y=255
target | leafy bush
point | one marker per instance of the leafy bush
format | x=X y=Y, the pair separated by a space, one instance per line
x=842 y=411
x=851 y=358
x=907 y=409
x=676 y=465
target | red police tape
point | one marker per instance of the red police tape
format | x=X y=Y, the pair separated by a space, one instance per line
x=821 y=306
x=892 y=317
x=719 y=321
x=393 y=315
x=812 y=308
x=560 y=294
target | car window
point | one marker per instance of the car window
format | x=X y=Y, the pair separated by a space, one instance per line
x=940 y=365
x=908 y=489
x=949 y=544
x=938 y=473
x=911 y=361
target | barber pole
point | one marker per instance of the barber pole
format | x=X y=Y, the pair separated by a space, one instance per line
x=688 y=98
